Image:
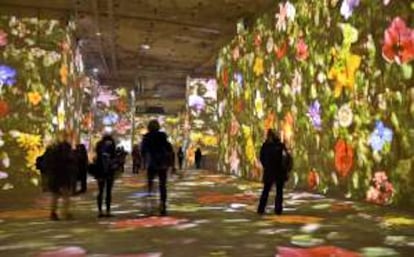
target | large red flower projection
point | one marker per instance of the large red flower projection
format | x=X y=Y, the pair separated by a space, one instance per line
x=4 y=108
x=320 y=251
x=344 y=157
x=313 y=179
x=398 y=42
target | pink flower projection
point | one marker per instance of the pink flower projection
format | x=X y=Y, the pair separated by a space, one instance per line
x=320 y=251
x=123 y=126
x=70 y=251
x=398 y=42
x=302 y=52
x=105 y=96
x=149 y=222
x=381 y=190
x=3 y=38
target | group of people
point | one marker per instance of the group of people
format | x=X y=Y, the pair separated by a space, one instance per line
x=63 y=168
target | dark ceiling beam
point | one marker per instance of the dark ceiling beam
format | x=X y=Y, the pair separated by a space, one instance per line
x=112 y=41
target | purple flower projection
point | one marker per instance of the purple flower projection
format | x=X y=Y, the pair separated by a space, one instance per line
x=314 y=113
x=196 y=102
x=348 y=7
x=105 y=96
x=238 y=77
x=7 y=75
x=380 y=136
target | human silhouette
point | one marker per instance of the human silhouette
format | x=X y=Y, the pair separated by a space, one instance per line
x=197 y=158
x=180 y=156
x=105 y=172
x=157 y=152
x=271 y=155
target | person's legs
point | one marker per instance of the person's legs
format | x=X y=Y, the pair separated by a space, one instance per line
x=66 y=204
x=263 y=198
x=84 y=181
x=279 y=197
x=180 y=163
x=54 y=206
x=162 y=175
x=109 y=185
x=150 y=179
x=99 y=198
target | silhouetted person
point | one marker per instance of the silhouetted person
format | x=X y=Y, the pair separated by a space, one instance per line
x=105 y=172
x=198 y=156
x=121 y=155
x=180 y=156
x=136 y=159
x=61 y=167
x=271 y=155
x=157 y=152
x=82 y=161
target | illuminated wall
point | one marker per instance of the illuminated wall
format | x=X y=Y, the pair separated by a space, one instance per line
x=336 y=79
x=37 y=93
x=201 y=118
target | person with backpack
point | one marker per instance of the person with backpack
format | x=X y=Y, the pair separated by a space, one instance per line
x=157 y=153
x=275 y=171
x=104 y=172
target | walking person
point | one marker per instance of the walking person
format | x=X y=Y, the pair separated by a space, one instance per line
x=271 y=157
x=106 y=166
x=61 y=168
x=198 y=156
x=157 y=152
x=180 y=156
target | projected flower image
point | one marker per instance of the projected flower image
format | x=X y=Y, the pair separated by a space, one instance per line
x=337 y=90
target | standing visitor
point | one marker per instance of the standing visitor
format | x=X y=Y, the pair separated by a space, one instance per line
x=271 y=157
x=106 y=166
x=180 y=156
x=198 y=156
x=82 y=161
x=136 y=159
x=157 y=152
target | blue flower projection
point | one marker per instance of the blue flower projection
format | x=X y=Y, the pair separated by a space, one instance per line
x=110 y=119
x=7 y=75
x=196 y=102
x=380 y=136
x=314 y=113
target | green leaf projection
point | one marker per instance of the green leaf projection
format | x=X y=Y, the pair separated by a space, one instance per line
x=335 y=79
x=37 y=93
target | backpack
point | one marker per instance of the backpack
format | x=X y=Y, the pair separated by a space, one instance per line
x=287 y=161
x=162 y=158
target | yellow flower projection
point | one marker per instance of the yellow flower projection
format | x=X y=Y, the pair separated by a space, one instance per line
x=258 y=66
x=31 y=156
x=343 y=72
x=249 y=150
x=34 y=98
x=258 y=104
x=209 y=140
x=29 y=141
x=64 y=74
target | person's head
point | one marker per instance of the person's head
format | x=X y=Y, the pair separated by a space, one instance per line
x=153 y=125
x=272 y=136
x=108 y=140
x=81 y=147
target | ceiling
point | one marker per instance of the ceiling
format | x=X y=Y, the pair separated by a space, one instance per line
x=183 y=37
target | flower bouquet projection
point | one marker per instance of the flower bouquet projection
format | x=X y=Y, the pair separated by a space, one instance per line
x=201 y=117
x=36 y=94
x=335 y=78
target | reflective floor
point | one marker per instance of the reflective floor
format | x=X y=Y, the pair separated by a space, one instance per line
x=209 y=215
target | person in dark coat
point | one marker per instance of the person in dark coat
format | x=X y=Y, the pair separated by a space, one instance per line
x=273 y=171
x=61 y=167
x=82 y=160
x=136 y=159
x=157 y=153
x=197 y=158
x=180 y=156
x=105 y=173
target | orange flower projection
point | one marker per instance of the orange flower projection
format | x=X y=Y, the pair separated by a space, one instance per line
x=344 y=156
x=34 y=98
x=219 y=198
x=121 y=106
x=313 y=179
x=4 y=108
x=287 y=128
x=294 y=219
x=64 y=74
x=87 y=121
